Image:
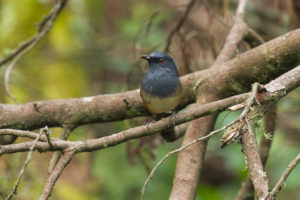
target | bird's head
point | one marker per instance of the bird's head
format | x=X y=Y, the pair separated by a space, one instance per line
x=159 y=59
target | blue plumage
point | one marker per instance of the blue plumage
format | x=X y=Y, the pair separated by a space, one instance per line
x=161 y=83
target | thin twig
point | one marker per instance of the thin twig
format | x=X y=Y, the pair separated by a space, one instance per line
x=253 y=38
x=44 y=28
x=279 y=185
x=20 y=133
x=14 y=190
x=179 y=24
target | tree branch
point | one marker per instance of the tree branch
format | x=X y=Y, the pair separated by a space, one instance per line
x=136 y=132
x=264 y=148
x=55 y=157
x=235 y=76
x=191 y=159
x=235 y=35
x=288 y=82
x=255 y=167
x=60 y=166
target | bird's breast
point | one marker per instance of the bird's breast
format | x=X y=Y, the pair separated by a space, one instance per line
x=160 y=84
x=157 y=104
x=161 y=94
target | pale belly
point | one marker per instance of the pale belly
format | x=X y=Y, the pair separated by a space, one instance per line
x=161 y=104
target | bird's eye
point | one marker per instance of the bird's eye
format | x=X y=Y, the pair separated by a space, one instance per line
x=161 y=61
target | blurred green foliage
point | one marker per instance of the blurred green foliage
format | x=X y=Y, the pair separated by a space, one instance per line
x=90 y=51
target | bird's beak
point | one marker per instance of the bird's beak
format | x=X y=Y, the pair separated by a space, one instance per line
x=145 y=57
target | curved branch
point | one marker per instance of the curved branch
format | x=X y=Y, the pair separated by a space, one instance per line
x=29 y=43
x=17 y=54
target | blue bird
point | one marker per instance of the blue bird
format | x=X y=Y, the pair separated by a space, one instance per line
x=161 y=89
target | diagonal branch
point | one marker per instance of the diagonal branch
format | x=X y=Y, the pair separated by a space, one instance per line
x=60 y=166
x=279 y=185
x=14 y=190
x=235 y=35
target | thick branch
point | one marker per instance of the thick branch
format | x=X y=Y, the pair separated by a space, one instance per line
x=104 y=142
x=287 y=81
x=260 y=64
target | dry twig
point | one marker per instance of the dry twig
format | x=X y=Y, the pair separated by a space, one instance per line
x=14 y=190
x=43 y=29
x=279 y=185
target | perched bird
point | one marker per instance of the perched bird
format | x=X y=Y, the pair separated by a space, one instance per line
x=161 y=89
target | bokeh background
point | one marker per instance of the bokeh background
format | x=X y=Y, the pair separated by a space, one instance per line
x=94 y=48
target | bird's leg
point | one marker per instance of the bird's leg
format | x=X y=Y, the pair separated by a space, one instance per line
x=173 y=117
x=148 y=121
